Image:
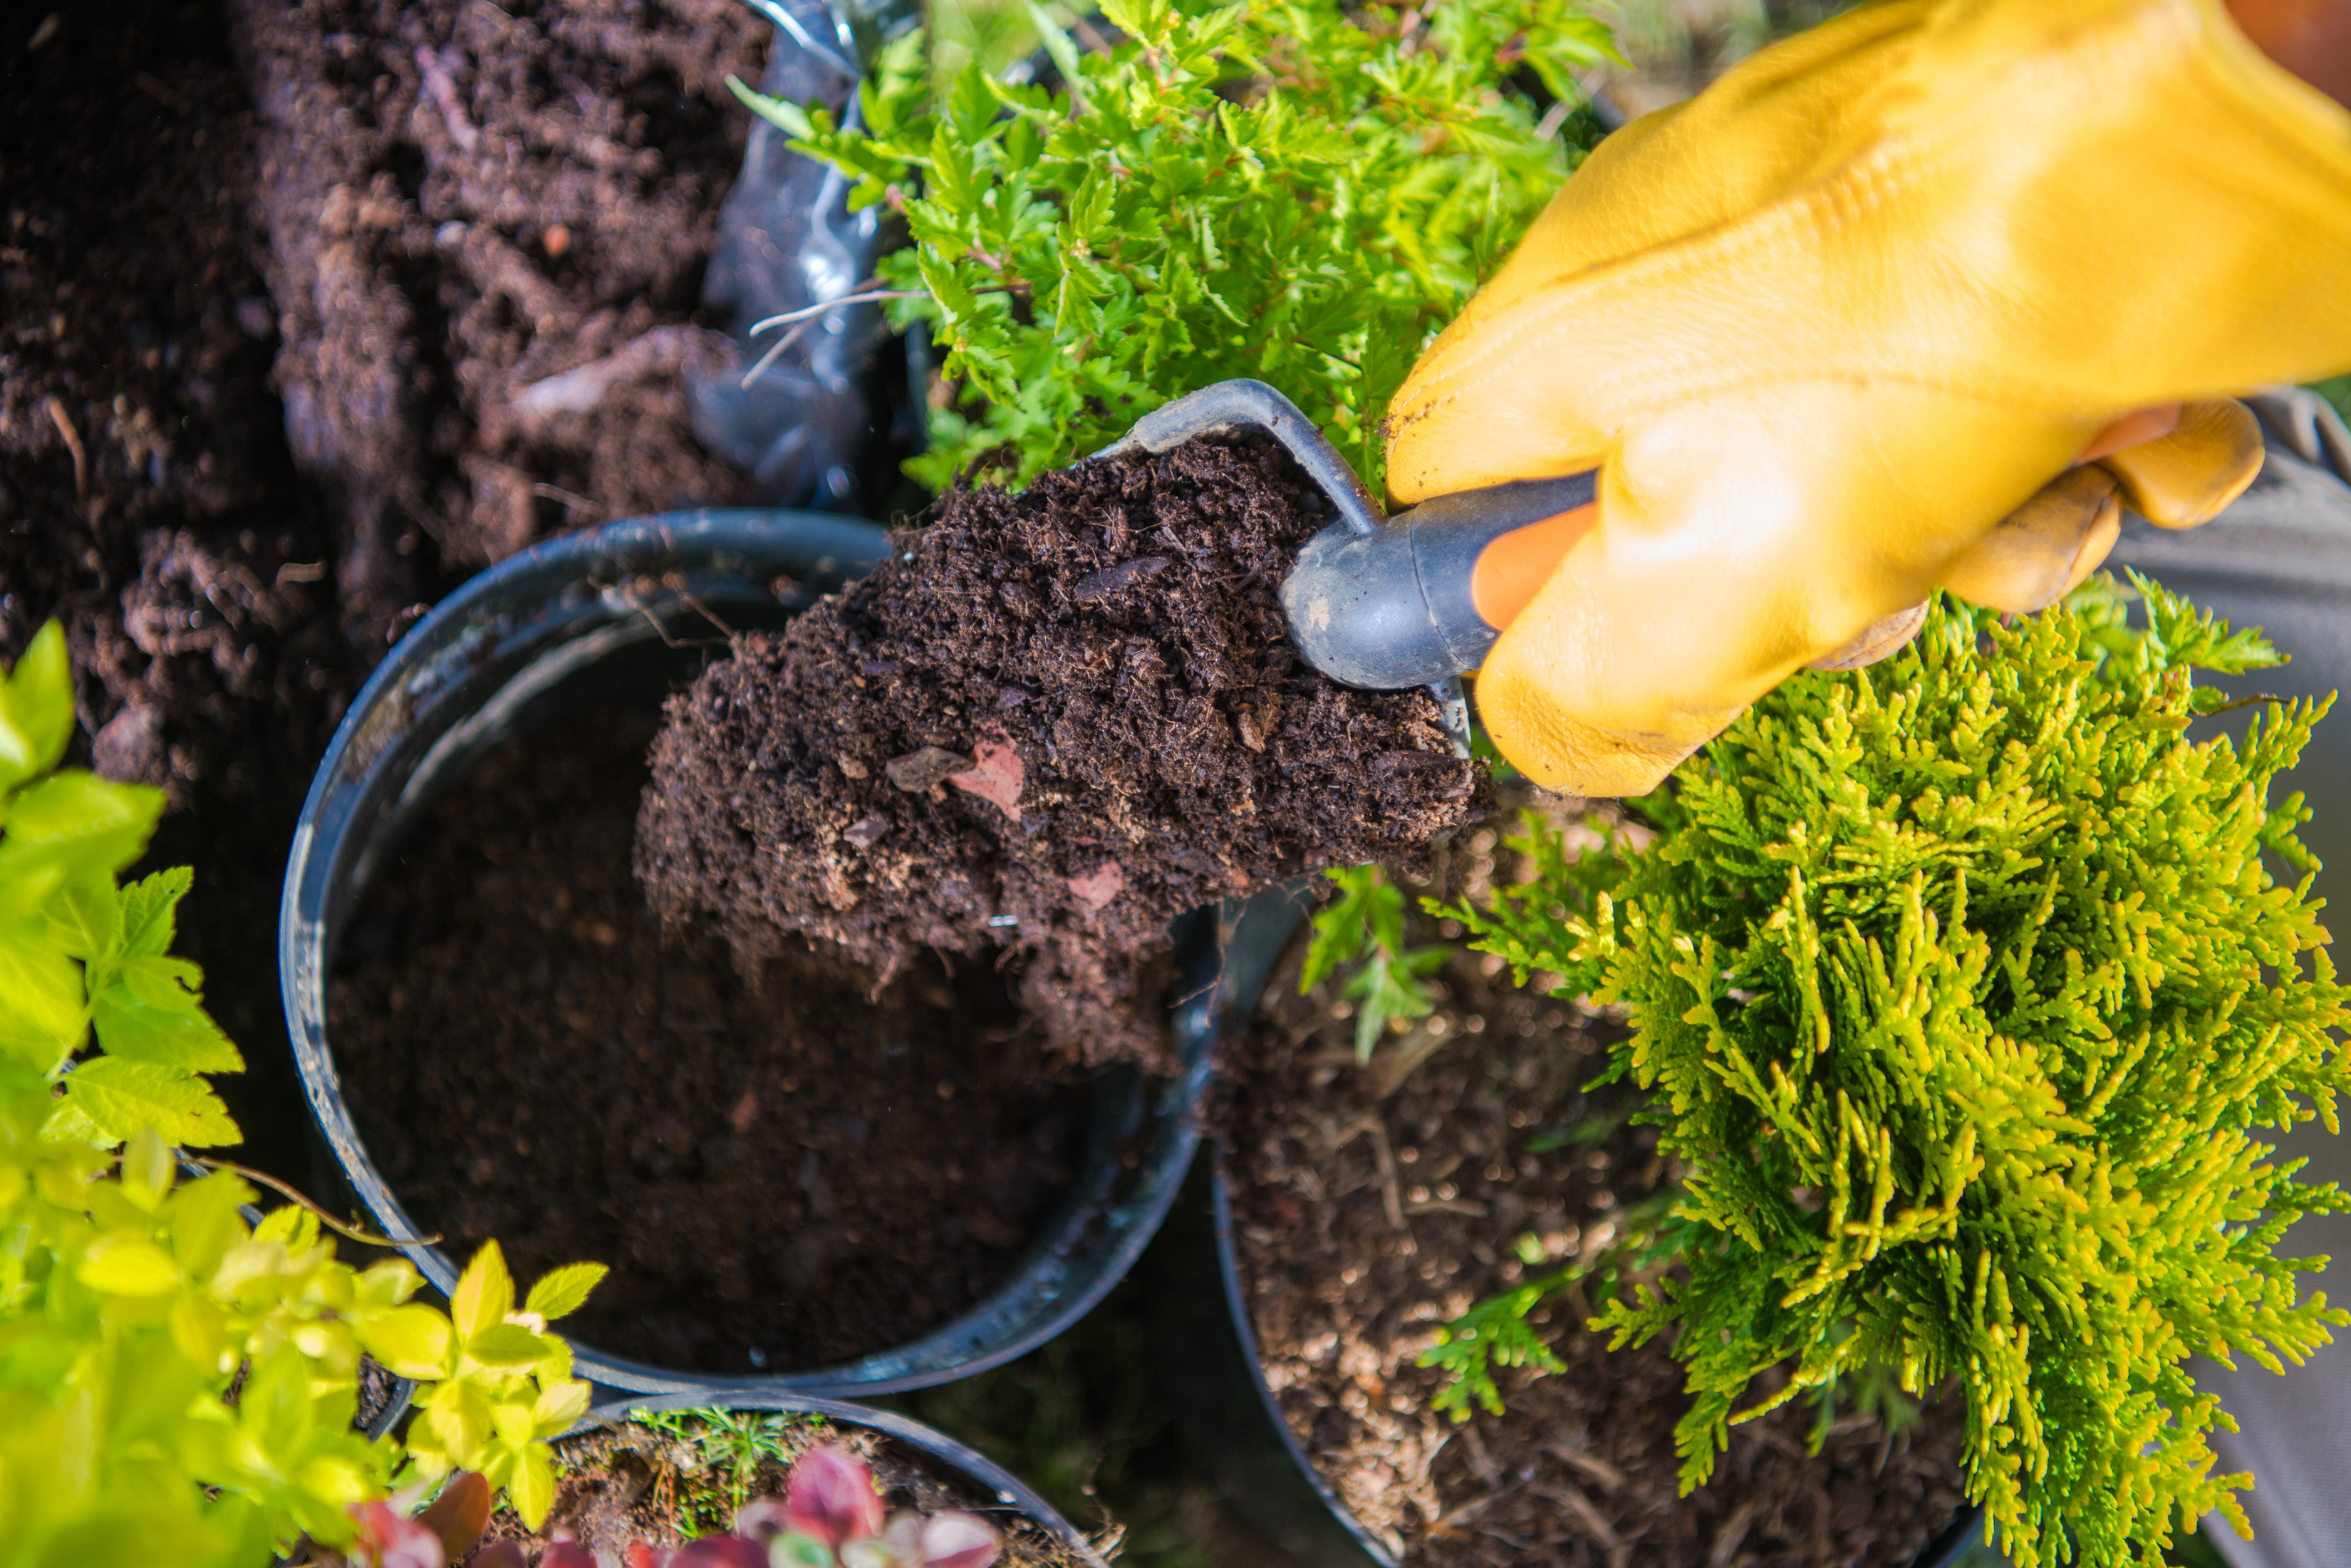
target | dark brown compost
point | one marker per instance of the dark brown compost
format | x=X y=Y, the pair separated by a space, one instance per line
x=1054 y=721
x=781 y=1175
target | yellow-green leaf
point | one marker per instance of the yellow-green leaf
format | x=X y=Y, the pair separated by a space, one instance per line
x=532 y=1490
x=559 y=1407
x=413 y=1341
x=505 y=1344
x=36 y=708
x=128 y=1266
x=484 y=1292
x=560 y=1291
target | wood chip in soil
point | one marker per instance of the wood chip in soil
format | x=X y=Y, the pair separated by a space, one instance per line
x=781 y=1175
x=1052 y=723
x=1363 y=1221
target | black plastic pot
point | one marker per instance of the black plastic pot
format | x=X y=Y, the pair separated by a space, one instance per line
x=1201 y=1318
x=620 y=615
x=985 y=1475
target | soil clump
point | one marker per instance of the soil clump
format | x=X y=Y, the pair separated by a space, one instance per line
x=462 y=203
x=1051 y=722
x=1372 y=1204
x=631 y=1483
x=781 y=1172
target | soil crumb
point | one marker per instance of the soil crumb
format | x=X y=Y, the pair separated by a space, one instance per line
x=664 y=1483
x=780 y=1174
x=1367 y=1211
x=463 y=202
x=1051 y=722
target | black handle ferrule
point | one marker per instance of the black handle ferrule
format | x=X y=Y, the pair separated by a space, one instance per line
x=1393 y=608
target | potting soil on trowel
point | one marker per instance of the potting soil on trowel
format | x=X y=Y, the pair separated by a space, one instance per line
x=1055 y=721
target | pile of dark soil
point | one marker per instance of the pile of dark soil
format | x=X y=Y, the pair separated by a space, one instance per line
x=632 y=1483
x=780 y=1174
x=463 y=201
x=147 y=500
x=1371 y=1205
x=1054 y=721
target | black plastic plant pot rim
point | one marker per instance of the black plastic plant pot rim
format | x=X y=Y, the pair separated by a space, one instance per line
x=1235 y=1421
x=984 y=1473
x=513 y=644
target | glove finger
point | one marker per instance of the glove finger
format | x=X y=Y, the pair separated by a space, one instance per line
x=2179 y=480
x=1740 y=540
x=1881 y=639
x=2043 y=550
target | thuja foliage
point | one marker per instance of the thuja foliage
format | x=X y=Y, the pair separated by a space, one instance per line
x=1363 y=926
x=177 y=1382
x=1971 y=1007
x=1299 y=192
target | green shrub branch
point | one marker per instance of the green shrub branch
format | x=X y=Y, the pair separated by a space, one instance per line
x=1290 y=192
x=1970 y=1003
x=177 y=1381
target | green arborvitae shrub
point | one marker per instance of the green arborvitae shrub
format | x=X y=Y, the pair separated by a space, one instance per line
x=177 y=1384
x=1298 y=192
x=1969 y=1001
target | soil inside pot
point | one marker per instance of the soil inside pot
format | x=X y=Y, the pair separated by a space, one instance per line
x=463 y=201
x=1055 y=720
x=1367 y=1212
x=781 y=1172
x=663 y=1484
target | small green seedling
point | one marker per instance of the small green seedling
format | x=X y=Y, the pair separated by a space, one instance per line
x=1362 y=925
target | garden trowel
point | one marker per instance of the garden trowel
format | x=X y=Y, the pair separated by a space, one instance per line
x=1387 y=603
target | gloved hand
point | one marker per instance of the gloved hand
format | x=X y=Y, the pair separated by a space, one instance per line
x=1840 y=330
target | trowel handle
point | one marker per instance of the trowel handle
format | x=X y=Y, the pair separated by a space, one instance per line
x=1424 y=596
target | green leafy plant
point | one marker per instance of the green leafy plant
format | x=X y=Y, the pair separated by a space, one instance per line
x=1964 y=989
x=178 y=1382
x=1362 y=925
x=1294 y=192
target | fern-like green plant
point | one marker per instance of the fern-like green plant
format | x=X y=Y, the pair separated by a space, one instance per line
x=178 y=1384
x=1969 y=1002
x=1362 y=928
x=1299 y=191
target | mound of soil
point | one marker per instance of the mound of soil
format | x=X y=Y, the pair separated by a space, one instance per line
x=1372 y=1204
x=631 y=1483
x=147 y=499
x=1054 y=721
x=781 y=1174
x=463 y=201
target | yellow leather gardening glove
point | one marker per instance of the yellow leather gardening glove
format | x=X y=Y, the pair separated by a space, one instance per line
x=1837 y=331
